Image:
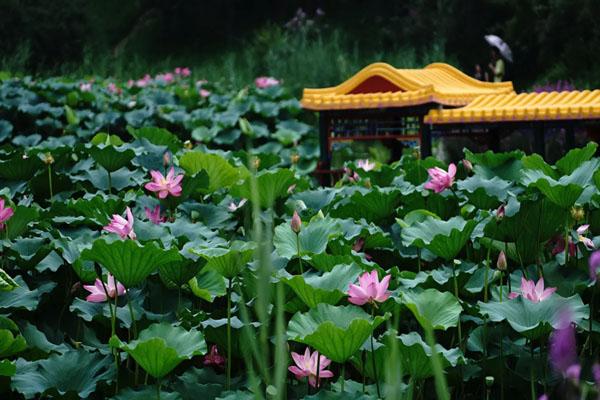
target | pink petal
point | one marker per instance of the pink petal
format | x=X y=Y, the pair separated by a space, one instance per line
x=325 y=374
x=157 y=176
x=583 y=229
x=513 y=295
x=298 y=359
x=452 y=170
x=96 y=298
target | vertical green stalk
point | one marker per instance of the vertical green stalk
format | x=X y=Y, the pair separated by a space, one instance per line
x=460 y=342
x=364 y=366
x=113 y=330
x=591 y=317
x=158 y=389
x=441 y=386
x=502 y=364
x=228 y=382
x=342 y=376
x=374 y=364
x=318 y=370
x=135 y=331
x=501 y=278
x=50 y=181
x=109 y=183
x=298 y=252
x=532 y=374
x=419 y=259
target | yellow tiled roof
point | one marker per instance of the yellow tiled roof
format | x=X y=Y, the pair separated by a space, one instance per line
x=438 y=82
x=523 y=107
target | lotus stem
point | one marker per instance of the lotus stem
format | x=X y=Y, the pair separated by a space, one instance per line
x=109 y=183
x=228 y=382
x=134 y=325
x=419 y=259
x=373 y=357
x=502 y=364
x=342 y=374
x=298 y=253
x=112 y=326
x=501 y=278
x=441 y=386
x=364 y=362
x=591 y=318
x=460 y=344
x=158 y=389
x=532 y=373
x=50 y=181
x=318 y=370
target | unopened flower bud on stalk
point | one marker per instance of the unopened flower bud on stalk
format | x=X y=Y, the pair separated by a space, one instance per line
x=501 y=263
x=467 y=164
x=295 y=158
x=166 y=159
x=500 y=212
x=577 y=213
x=296 y=223
x=188 y=144
x=48 y=159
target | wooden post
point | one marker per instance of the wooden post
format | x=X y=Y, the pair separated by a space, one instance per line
x=569 y=138
x=425 y=139
x=539 y=141
x=325 y=157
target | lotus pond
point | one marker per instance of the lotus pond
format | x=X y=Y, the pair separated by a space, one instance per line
x=164 y=238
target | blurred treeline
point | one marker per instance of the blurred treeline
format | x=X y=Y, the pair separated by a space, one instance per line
x=236 y=40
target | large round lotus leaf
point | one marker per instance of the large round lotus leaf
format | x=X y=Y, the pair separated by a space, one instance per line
x=128 y=261
x=313 y=237
x=565 y=191
x=433 y=309
x=18 y=168
x=443 y=238
x=336 y=332
x=575 y=158
x=228 y=262
x=270 y=185
x=413 y=353
x=175 y=274
x=534 y=320
x=157 y=136
x=161 y=347
x=328 y=288
x=221 y=174
x=375 y=205
x=484 y=193
x=110 y=158
x=75 y=371
x=207 y=285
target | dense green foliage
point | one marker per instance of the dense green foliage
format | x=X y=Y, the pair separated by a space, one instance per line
x=234 y=40
x=226 y=267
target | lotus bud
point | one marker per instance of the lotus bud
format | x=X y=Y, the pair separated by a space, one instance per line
x=489 y=381
x=256 y=162
x=295 y=158
x=188 y=144
x=577 y=213
x=166 y=159
x=296 y=223
x=416 y=154
x=367 y=183
x=501 y=263
x=467 y=164
x=500 y=213
x=48 y=159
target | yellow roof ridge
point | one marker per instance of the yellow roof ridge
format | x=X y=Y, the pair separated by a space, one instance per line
x=437 y=82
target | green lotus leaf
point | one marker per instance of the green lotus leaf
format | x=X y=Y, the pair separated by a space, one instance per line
x=161 y=347
x=17 y=168
x=270 y=186
x=207 y=285
x=111 y=158
x=129 y=261
x=443 y=238
x=76 y=372
x=535 y=161
x=565 y=191
x=483 y=193
x=313 y=237
x=414 y=355
x=23 y=297
x=175 y=274
x=575 y=158
x=19 y=223
x=328 y=288
x=11 y=344
x=335 y=331
x=228 y=262
x=7 y=368
x=145 y=393
x=157 y=136
x=375 y=205
x=534 y=320
x=6 y=282
x=103 y=138
x=433 y=309
x=493 y=160
x=221 y=174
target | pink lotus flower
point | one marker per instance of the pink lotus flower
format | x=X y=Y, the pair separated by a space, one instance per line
x=306 y=366
x=532 y=291
x=214 y=358
x=594 y=264
x=204 y=93
x=365 y=165
x=154 y=215
x=265 y=81
x=234 y=207
x=5 y=213
x=563 y=348
x=167 y=77
x=559 y=245
x=85 y=87
x=97 y=293
x=145 y=81
x=169 y=185
x=440 y=179
x=369 y=289
x=113 y=88
x=500 y=212
x=587 y=242
x=121 y=226
x=185 y=71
